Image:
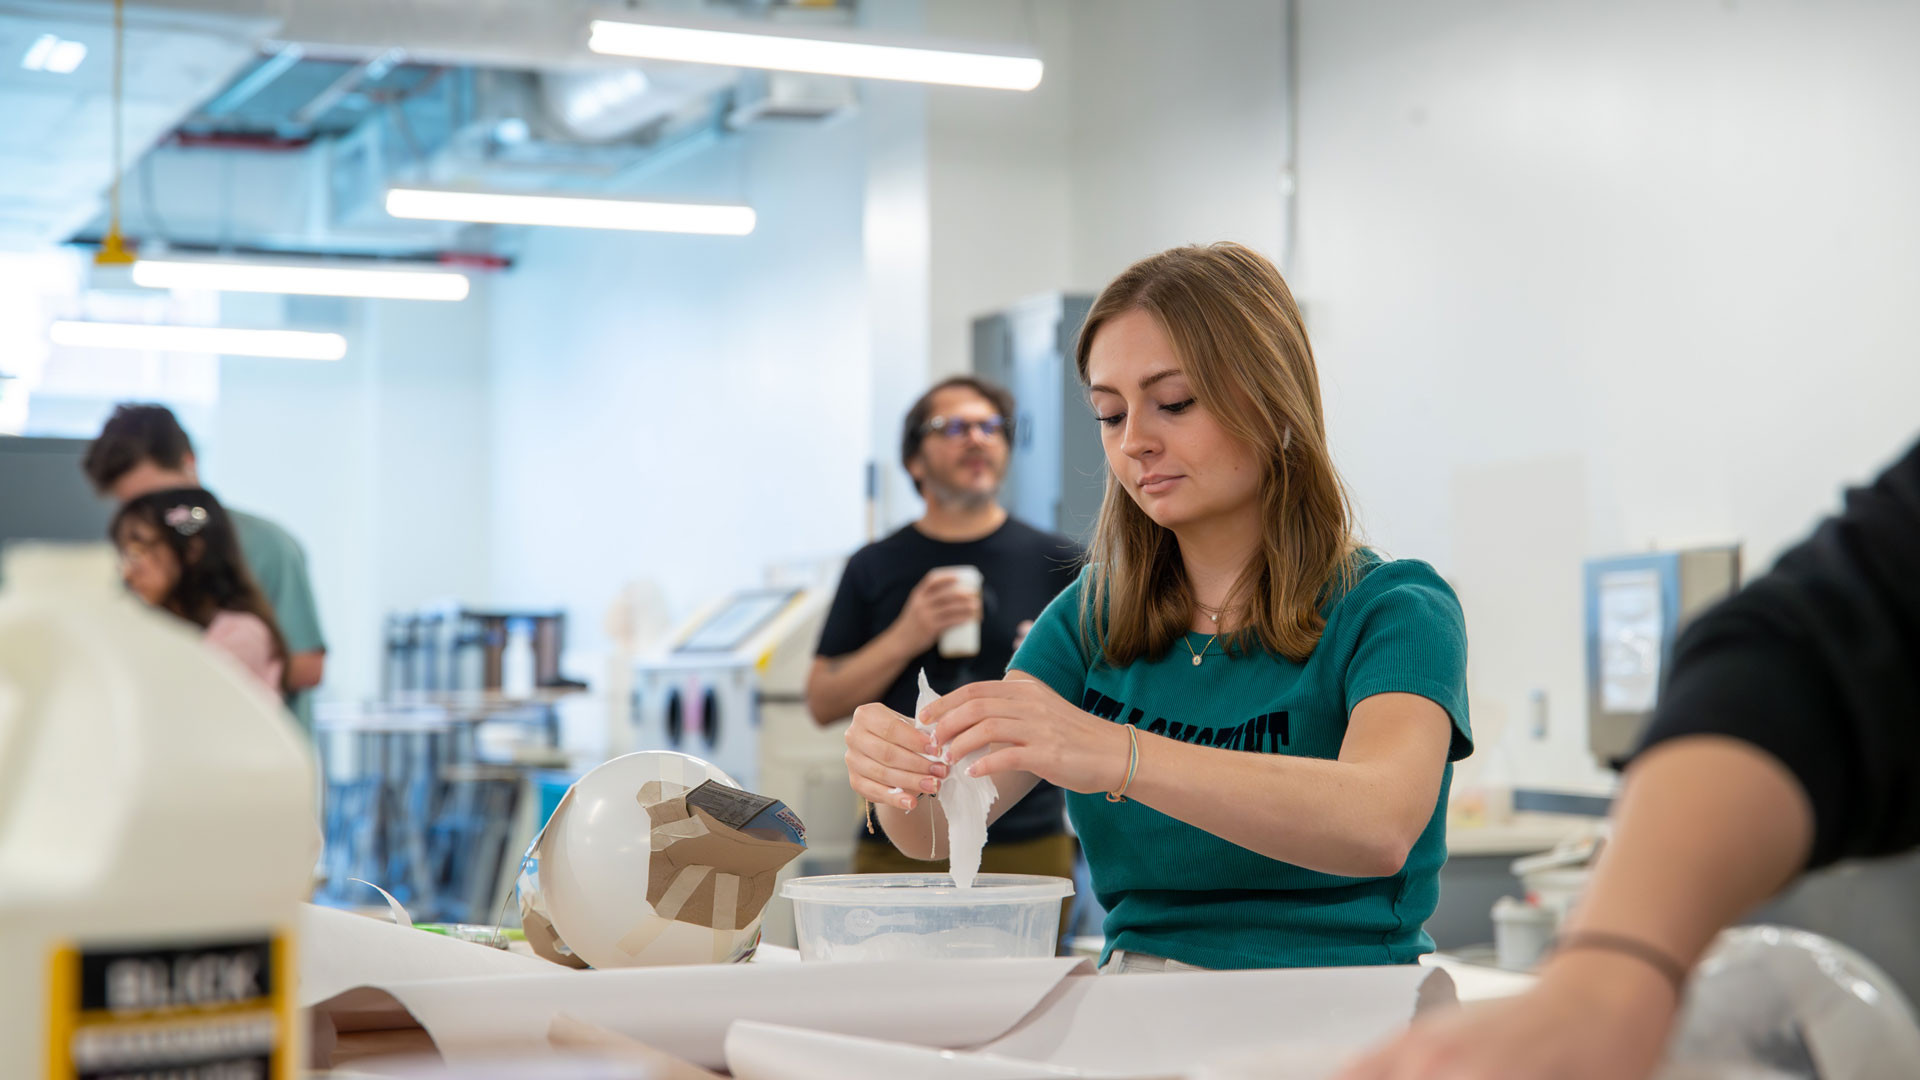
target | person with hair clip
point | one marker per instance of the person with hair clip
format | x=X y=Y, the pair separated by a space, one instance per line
x=179 y=552
x=1253 y=714
x=143 y=449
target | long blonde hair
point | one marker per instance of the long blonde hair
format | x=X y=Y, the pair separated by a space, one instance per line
x=1237 y=332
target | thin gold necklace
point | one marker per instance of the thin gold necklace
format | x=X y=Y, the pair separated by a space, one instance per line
x=1201 y=655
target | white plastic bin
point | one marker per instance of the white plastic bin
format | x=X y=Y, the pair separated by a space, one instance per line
x=925 y=917
x=1522 y=933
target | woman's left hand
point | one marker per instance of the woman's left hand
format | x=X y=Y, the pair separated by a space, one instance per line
x=1035 y=730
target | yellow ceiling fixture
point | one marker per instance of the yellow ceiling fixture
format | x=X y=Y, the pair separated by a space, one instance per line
x=113 y=249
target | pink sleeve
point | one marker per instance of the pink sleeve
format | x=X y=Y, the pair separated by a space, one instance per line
x=245 y=638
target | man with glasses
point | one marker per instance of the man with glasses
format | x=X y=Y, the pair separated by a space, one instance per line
x=900 y=594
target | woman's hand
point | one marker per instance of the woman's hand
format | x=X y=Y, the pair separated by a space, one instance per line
x=1035 y=730
x=884 y=752
x=1593 y=1016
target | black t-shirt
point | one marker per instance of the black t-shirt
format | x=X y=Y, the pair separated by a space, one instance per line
x=1023 y=569
x=1818 y=663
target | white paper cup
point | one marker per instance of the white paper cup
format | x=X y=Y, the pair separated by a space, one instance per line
x=962 y=640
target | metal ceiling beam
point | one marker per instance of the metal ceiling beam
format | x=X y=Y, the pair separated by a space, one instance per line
x=372 y=70
x=255 y=81
x=512 y=34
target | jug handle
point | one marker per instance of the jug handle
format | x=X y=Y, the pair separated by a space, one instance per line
x=17 y=696
x=12 y=734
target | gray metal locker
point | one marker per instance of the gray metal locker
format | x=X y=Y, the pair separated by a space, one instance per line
x=1058 y=471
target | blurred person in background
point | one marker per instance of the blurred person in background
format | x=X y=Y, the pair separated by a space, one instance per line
x=1786 y=738
x=895 y=601
x=143 y=449
x=179 y=553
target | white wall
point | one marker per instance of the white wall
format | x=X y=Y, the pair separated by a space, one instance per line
x=896 y=245
x=1178 y=123
x=1156 y=125
x=376 y=463
x=686 y=408
x=1590 y=277
x=999 y=183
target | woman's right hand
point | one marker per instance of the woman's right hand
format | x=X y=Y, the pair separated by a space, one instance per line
x=885 y=751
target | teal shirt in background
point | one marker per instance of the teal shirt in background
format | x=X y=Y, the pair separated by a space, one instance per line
x=280 y=566
x=1179 y=892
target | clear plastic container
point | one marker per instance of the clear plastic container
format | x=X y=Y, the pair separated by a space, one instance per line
x=925 y=917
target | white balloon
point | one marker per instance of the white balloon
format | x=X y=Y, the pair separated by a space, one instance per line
x=594 y=863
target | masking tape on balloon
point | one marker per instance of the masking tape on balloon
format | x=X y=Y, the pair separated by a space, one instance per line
x=666 y=835
x=655 y=792
x=726 y=900
x=670 y=904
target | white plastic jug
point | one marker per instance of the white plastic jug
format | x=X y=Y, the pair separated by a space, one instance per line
x=157 y=836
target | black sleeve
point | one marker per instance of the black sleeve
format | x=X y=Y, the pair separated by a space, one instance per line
x=846 y=628
x=1818 y=664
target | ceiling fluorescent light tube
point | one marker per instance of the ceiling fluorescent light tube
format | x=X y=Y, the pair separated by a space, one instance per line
x=501 y=209
x=66 y=57
x=815 y=55
x=39 y=51
x=313 y=279
x=149 y=337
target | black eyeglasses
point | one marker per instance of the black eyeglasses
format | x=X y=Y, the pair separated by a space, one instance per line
x=954 y=427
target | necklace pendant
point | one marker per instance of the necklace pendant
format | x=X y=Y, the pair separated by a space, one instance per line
x=1196 y=661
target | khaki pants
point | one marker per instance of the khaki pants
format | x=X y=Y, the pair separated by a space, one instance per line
x=1052 y=856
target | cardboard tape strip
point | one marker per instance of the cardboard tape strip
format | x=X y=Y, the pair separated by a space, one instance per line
x=670 y=904
x=726 y=900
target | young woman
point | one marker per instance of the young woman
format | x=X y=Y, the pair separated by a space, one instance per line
x=179 y=552
x=1253 y=715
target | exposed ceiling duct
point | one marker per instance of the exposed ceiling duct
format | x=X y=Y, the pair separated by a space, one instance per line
x=512 y=34
x=482 y=93
x=56 y=147
x=603 y=105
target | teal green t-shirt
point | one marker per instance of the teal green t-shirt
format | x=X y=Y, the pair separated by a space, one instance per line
x=1179 y=892
x=280 y=566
